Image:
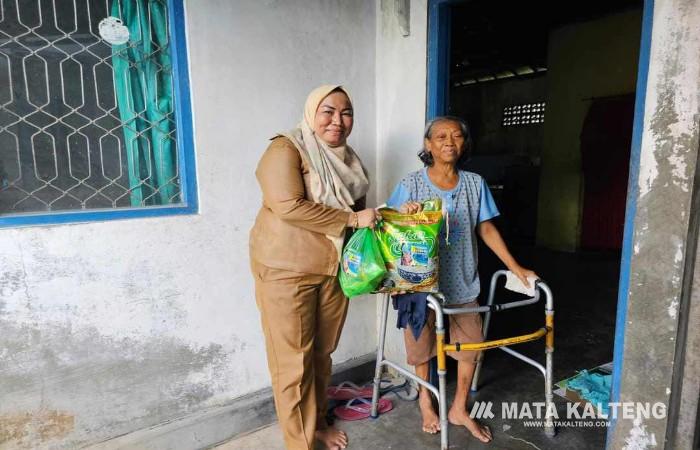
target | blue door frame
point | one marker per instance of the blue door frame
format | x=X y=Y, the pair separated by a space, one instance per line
x=631 y=208
x=439 y=25
x=439 y=30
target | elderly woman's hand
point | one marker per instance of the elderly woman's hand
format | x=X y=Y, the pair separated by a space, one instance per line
x=411 y=208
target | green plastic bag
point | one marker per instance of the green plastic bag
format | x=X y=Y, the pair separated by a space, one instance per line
x=409 y=245
x=361 y=267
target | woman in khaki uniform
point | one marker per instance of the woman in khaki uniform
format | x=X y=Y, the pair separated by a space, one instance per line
x=312 y=184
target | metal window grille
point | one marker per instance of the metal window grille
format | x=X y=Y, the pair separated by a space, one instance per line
x=526 y=114
x=67 y=142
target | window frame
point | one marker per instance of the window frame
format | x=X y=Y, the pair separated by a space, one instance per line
x=186 y=157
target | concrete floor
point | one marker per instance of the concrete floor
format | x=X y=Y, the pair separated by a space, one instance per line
x=585 y=291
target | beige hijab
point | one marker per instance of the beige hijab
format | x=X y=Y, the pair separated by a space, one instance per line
x=337 y=177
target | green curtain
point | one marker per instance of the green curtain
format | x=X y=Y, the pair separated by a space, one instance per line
x=143 y=82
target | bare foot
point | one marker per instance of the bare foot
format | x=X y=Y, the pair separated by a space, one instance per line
x=431 y=421
x=332 y=438
x=461 y=417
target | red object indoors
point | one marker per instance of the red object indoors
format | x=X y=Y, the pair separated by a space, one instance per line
x=606 y=138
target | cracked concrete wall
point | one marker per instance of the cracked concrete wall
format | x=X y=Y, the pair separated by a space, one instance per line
x=667 y=170
x=106 y=328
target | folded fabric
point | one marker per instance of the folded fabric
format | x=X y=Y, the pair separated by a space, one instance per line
x=412 y=311
x=594 y=387
x=514 y=284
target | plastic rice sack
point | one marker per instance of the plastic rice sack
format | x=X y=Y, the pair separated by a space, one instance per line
x=361 y=267
x=409 y=245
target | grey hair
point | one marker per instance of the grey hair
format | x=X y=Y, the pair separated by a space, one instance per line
x=425 y=155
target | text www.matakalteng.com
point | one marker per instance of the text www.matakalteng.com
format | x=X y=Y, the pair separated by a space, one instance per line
x=568 y=423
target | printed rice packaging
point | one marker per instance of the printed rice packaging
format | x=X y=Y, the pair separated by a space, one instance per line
x=409 y=246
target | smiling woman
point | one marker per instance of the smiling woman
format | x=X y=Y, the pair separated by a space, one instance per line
x=469 y=206
x=313 y=187
x=460 y=130
x=334 y=119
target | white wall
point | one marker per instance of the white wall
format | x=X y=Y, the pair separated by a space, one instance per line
x=109 y=327
x=401 y=101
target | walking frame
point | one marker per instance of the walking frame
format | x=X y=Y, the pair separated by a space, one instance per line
x=435 y=303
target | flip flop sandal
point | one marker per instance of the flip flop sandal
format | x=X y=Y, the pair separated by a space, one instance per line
x=399 y=386
x=388 y=384
x=360 y=408
x=348 y=390
x=406 y=391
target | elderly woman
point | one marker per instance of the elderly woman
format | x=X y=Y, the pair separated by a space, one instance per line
x=312 y=183
x=470 y=208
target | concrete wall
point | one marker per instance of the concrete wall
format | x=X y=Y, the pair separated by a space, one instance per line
x=660 y=277
x=110 y=327
x=401 y=91
x=584 y=60
x=686 y=432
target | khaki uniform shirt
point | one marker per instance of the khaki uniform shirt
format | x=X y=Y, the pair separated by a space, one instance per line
x=289 y=231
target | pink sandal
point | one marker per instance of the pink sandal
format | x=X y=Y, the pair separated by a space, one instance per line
x=360 y=408
x=348 y=390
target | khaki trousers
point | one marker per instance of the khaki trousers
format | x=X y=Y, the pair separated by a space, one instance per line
x=302 y=316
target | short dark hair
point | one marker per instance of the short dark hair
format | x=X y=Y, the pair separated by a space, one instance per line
x=425 y=155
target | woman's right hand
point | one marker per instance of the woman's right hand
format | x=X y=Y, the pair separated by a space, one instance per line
x=411 y=208
x=366 y=218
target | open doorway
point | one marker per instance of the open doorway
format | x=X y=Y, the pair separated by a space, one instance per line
x=549 y=95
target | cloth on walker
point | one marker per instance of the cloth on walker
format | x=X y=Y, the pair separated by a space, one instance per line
x=594 y=387
x=412 y=311
x=514 y=284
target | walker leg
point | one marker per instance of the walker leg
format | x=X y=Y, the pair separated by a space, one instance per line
x=442 y=378
x=442 y=406
x=549 y=429
x=380 y=356
x=477 y=371
x=441 y=370
x=485 y=330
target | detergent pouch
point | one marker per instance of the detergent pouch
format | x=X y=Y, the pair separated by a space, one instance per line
x=409 y=245
x=361 y=267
